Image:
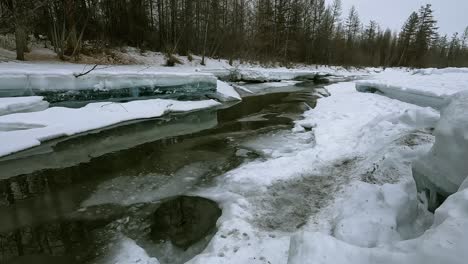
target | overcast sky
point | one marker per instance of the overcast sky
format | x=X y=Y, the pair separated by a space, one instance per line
x=452 y=15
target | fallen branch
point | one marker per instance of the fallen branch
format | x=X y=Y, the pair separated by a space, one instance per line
x=83 y=74
x=116 y=104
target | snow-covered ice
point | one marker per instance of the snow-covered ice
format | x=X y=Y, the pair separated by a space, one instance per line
x=258 y=75
x=385 y=224
x=444 y=242
x=126 y=251
x=114 y=140
x=249 y=89
x=226 y=92
x=62 y=82
x=147 y=188
x=358 y=137
x=255 y=74
x=422 y=87
x=12 y=105
x=441 y=171
x=57 y=122
x=342 y=193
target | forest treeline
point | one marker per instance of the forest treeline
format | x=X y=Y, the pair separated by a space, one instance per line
x=302 y=31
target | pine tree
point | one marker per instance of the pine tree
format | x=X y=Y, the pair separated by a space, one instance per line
x=425 y=35
x=407 y=38
x=337 y=8
x=323 y=38
x=259 y=30
x=464 y=39
x=453 y=51
x=353 y=24
x=370 y=36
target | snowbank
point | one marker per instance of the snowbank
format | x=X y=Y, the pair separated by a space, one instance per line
x=440 y=172
x=444 y=242
x=253 y=74
x=424 y=88
x=274 y=75
x=57 y=122
x=22 y=105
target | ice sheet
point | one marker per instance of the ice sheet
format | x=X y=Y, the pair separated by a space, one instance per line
x=441 y=171
x=421 y=87
x=59 y=121
x=22 y=105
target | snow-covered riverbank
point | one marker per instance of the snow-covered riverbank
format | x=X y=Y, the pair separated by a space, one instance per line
x=337 y=188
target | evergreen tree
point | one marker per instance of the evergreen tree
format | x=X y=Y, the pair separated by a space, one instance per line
x=407 y=39
x=464 y=39
x=353 y=25
x=425 y=35
x=453 y=50
x=260 y=30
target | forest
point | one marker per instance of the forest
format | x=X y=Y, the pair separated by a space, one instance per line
x=285 y=31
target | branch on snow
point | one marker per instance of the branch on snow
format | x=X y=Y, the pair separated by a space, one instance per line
x=84 y=73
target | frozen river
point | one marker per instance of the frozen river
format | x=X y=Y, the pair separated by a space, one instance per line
x=66 y=197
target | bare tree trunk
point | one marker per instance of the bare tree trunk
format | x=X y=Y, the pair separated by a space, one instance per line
x=20 y=29
x=204 y=43
x=72 y=38
x=21 y=40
